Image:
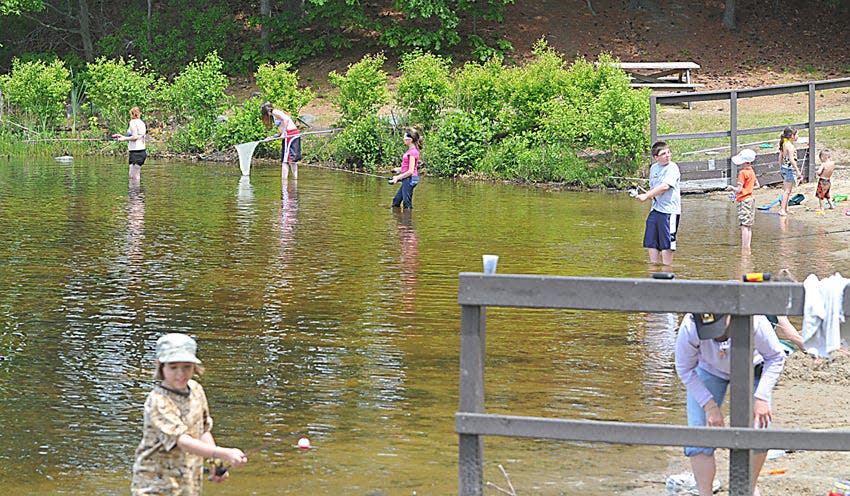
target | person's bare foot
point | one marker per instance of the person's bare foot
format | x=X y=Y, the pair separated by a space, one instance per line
x=783 y=213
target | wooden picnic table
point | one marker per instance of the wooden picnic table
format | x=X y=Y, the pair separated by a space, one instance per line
x=670 y=76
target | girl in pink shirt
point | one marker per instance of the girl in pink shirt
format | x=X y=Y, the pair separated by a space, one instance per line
x=408 y=173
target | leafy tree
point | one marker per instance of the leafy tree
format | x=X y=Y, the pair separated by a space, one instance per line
x=38 y=89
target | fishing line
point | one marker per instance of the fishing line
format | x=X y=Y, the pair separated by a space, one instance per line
x=346 y=170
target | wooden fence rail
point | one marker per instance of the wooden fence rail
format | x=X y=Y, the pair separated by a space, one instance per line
x=724 y=167
x=477 y=291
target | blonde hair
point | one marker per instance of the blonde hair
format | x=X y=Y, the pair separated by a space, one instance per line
x=825 y=155
x=158 y=375
x=135 y=113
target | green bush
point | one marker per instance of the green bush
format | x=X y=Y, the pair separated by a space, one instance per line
x=525 y=157
x=242 y=125
x=529 y=89
x=37 y=89
x=198 y=91
x=362 y=90
x=423 y=87
x=194 y=137
x=115 y=86
x=477 y=89
x=365 y=143
x=279 y=85
x=458 y=145
x=599 y=111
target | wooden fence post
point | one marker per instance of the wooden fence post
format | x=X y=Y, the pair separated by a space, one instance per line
x=471 y=446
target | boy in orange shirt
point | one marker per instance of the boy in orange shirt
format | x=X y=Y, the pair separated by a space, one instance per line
x=744 y=200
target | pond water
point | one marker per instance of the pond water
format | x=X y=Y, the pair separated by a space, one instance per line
x=320 y=312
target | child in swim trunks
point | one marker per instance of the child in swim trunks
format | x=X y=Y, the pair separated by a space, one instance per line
x=827 y=166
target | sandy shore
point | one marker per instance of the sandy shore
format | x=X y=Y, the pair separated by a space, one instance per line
x=808 y=395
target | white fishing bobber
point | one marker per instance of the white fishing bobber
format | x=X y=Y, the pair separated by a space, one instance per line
x=304 y=443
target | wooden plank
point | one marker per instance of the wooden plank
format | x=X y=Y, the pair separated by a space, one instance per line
x=657 y=65
x=691 y=86
x=633 y=295
x=650 y=434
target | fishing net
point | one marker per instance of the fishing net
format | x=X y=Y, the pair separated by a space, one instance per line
x=245 y=152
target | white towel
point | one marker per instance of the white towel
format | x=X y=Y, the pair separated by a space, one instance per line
x=823 y=313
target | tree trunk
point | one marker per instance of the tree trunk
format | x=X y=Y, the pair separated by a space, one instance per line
x=85 y=31
x=265 y=13
x=148 y=30
x=729 y=15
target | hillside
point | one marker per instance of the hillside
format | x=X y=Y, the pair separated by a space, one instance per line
x=769 y=46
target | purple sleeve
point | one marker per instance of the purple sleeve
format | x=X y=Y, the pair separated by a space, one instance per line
x=687 y=360
x=769 y=347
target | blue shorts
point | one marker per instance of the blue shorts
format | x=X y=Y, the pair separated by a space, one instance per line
x=788 y=174
x=661 y=231
x=696 y=414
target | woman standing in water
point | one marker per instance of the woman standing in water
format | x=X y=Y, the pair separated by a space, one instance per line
x=408 y=173
x=788 y=167
x=291 y=149
x=135 y=138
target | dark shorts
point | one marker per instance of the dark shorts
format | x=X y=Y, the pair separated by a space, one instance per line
x=294 y=145
x=823 y=188
x=137 y=157
x=661 y=230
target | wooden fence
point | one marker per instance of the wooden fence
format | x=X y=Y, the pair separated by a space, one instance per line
x=723 y=168
x=477 y=291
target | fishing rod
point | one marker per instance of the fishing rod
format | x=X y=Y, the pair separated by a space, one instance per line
x=219 y=467
x=68 y=139
x=319 y=131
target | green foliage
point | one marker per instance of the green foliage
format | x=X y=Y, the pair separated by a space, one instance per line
x=279 y=85
x=528 y=90
x=242 y=125
x=423 y=87
x=18 y=7
x=198 y=91
x=37 y=89
x=362 y=90
x=477 y=89
x=600 y=111
x=482 y=51
x=525 y=157
x=364 y=143
x=458 y=145
x=194 y=137
x=115 y=86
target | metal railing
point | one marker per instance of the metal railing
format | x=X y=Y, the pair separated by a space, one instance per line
x=734 y=132
x=477 y=291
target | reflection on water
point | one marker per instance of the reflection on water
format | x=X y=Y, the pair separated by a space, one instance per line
x=320 y=312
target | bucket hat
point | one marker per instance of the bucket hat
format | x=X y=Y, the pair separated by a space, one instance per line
x=176 y=347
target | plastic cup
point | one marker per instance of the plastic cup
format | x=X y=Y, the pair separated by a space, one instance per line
x=490 y=262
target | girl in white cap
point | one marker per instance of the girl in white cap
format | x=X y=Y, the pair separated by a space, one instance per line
x=177 y=436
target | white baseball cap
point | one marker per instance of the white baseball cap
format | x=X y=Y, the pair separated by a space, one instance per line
x=744 y=157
